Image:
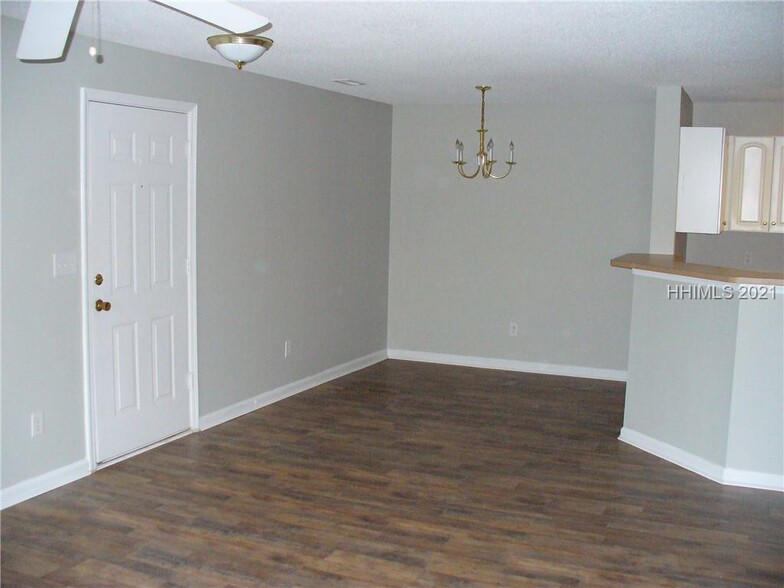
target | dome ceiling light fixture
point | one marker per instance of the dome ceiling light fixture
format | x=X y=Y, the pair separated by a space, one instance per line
x=240 y=49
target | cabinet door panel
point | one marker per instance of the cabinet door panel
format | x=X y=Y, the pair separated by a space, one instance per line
x=753 y=157
x=751 y=179
x=700 y=163
x=777 y=193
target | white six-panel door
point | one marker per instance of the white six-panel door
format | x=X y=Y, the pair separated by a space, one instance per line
x=137 y=240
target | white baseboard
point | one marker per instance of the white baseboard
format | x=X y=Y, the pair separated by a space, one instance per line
x=271 y=396
x=44 y=483
x=79 y=469
x=266 y=398
x=679 y=457
x=701 y=466
x=748 y=479
x=509 y=365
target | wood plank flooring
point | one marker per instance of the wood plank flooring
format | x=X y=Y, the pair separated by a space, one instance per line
x=403 y=474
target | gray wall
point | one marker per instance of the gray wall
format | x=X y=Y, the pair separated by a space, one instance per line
x=762 y=119
x=467 y=257
x=681 y=362
x=741 y=118
x=756 y=431
x=291 y=243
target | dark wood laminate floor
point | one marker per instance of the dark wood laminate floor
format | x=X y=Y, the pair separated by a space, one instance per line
x=403 y=474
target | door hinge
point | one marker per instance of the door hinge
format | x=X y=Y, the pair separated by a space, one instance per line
x=188 y=266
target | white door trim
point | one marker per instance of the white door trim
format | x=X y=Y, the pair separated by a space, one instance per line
x=189 y=109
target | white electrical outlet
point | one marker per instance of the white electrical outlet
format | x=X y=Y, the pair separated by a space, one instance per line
x=286 y=348
x=513 y=329
x=36 y=424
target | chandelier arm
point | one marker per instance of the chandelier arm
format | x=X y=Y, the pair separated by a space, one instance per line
x=467 y=176
x=508 y=171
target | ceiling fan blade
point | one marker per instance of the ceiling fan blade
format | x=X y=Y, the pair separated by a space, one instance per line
x=46 y=29
x=221 y=13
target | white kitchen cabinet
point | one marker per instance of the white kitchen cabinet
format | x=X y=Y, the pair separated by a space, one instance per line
x=700 y=180
x=750 y=184
x=777 y=190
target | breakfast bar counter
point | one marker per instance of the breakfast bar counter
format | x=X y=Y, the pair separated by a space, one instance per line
x=705 y=385
x=667 y=264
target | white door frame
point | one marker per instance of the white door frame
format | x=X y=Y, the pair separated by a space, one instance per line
x=189 y=109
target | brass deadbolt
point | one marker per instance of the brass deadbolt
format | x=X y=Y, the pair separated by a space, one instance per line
x=98 y=279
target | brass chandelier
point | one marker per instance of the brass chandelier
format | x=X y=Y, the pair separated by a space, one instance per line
x=484 y=159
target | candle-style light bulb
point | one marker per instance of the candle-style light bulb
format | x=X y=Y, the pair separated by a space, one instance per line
x=490 y=150
x=511 y=151
x=457 y=150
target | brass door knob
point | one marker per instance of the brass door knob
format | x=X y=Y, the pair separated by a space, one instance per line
x=101 y=305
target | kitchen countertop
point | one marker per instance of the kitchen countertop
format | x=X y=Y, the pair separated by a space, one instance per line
x=667 y=264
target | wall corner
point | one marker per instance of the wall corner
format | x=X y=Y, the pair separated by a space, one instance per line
x=674 y=109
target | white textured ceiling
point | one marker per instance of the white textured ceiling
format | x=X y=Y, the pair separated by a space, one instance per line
x=436 y=52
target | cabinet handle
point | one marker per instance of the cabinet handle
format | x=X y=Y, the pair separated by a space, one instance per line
x=773 y=223
x=764 y=223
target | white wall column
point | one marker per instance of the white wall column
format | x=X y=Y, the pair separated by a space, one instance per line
x=673 y=111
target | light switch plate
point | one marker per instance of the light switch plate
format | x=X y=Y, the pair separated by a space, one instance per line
x=64 y=263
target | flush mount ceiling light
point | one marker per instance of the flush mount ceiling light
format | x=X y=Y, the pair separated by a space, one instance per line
x=240 y=49
x=484 y=159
